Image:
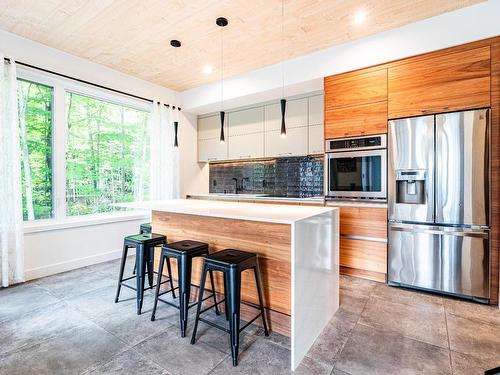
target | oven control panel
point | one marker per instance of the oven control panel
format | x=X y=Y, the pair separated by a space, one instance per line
x=357 y=143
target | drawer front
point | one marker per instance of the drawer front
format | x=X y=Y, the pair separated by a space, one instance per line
x=363 y=221
x=363 y=255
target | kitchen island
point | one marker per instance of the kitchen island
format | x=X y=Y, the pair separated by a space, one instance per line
x=298 y=253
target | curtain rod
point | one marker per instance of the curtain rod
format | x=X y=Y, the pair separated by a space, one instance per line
x=6 y=59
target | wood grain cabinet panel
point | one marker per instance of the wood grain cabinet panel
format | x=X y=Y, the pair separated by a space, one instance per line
x=363 y=255
x=363 y=221
x=443 y=83
x=345 y=90
x=358 y=120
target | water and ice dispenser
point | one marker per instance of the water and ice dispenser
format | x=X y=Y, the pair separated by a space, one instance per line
x=410 y=186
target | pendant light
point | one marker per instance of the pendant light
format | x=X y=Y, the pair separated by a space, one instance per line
x=176 y=128
x=222 y=22
x=283 y=100
x=176 y=44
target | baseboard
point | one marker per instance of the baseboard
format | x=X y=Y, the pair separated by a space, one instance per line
x=52 y=269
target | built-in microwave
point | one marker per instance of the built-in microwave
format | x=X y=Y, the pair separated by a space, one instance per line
x=356 y=168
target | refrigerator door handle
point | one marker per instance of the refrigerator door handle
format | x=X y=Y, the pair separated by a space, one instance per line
x=434 y=230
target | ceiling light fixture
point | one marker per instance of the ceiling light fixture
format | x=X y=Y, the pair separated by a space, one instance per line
x=176 y=129
x=222 y=22
x=283 y=100
x=360 y=17
x=207 y=69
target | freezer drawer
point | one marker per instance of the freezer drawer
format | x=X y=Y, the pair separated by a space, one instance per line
x=446 y=260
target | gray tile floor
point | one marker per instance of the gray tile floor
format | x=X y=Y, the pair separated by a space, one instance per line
x=69 y=324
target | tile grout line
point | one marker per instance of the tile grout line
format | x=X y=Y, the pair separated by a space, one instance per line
x=339 y=352
x=448 y=337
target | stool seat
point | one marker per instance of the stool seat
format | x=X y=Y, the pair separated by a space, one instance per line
x=229 y=257
x=146 y=239
x=185 y=246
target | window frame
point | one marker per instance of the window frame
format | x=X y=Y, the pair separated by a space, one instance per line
x=60 y=87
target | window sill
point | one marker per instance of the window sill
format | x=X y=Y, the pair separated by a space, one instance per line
x=84 y=221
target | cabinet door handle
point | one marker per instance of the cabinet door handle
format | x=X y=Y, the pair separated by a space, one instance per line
x=211 y=158
x=245 y=156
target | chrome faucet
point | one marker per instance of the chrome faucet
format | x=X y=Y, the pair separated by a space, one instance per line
x=236 y=186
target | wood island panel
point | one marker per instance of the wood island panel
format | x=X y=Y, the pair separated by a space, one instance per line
x=362 y=87
x=443 y=83
x=271 y=241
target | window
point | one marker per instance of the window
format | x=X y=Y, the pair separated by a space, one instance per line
x=107 y=156
x=35 y=102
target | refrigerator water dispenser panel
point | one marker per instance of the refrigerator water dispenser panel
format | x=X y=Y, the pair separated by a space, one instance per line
x=410 y=186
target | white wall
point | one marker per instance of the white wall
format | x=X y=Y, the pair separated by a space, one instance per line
x=57 y=250
x=305 y=74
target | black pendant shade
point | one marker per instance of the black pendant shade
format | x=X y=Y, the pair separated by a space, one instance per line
x=222 y=115
x=283 y=125
x=176 y=127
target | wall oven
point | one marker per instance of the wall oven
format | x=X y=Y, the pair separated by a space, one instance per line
x=356 y=168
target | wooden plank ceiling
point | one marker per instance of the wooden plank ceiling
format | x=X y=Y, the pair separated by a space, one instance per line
x=133 y=36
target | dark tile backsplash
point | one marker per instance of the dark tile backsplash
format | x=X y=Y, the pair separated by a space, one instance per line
x=297 y=177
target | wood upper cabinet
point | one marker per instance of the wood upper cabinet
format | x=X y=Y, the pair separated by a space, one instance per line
x=353 y=89
x=356 y=104
x=356 y=121
x=443 y=83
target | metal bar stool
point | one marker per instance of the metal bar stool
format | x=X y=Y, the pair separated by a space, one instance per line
x=183 y=252
x=231 y=263
x=144 y=246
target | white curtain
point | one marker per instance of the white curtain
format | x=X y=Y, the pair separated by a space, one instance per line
x=165 y=178
x=11 y=219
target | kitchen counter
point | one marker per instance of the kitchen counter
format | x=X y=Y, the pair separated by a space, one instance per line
x=298 y=251
x=257 y=198
x=233 y=210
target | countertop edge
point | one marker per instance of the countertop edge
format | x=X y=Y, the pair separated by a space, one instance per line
x=264 y=199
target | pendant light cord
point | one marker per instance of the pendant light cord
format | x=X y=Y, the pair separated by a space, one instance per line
x=221 y=70
x=283 y=49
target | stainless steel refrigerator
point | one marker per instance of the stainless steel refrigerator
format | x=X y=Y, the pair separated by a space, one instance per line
x=438 y=203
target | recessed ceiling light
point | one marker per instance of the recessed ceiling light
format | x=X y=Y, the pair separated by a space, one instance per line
x=207 y=69
x=360 y=17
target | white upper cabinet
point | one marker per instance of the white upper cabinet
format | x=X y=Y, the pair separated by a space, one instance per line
x=255 y=132
x=246 y=146
x=209 y=127
x=211 y=150
x=294 y=144
x=316 y=139
x=295 y=114
x=316 y=110
x=246 y=121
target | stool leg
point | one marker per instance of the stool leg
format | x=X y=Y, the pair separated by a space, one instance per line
x=141 y=269
x=122 y=268
x=184 y=272
x=158 y=284
x=150 y=258
x=213 y=292
x=135 y=267
x=169 y=270
x=200 y=301
x=226 y=304
x=259 y=292
x=234 y=311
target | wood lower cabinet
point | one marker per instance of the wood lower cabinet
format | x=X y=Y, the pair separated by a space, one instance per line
x=363 y=242
x=354 y=89
x=448 y=82
x=356 y=121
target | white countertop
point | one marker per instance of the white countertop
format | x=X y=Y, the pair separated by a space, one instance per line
x=271 y=213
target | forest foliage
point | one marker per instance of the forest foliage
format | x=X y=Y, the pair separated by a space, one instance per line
x=107 y=153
